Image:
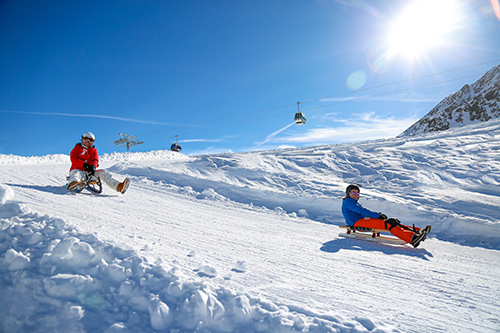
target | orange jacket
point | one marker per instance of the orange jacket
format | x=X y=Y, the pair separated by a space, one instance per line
x=80 y=155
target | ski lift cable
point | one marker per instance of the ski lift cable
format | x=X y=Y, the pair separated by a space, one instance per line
x=321 y=98
x=317 y=107
x=318 y=99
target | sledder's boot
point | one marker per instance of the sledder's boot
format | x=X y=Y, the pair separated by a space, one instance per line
x=416 y=239
x=425 y=231
x=420 y=237
x=123 y=186
x=76 y=185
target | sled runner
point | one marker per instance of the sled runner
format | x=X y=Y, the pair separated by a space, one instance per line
x=91 y=183
x=372 y=235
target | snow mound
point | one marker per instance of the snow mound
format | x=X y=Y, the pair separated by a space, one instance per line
x=163 y=155
x=13 y=159
x=6 y=194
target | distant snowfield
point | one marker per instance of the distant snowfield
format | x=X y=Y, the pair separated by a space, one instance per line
x=249 y=242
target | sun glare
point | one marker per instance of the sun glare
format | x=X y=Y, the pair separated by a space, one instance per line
x=424 y=24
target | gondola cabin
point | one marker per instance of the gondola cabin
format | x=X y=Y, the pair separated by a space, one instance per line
x=300 y=119
x=176 y=146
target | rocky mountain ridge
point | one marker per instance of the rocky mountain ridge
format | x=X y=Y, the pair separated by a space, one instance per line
x=473 y=103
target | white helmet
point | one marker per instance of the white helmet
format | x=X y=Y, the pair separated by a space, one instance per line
x=88 y=135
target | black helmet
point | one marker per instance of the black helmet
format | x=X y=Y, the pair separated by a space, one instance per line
x=350 y=188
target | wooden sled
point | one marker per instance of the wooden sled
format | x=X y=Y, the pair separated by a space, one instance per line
x=368 y=234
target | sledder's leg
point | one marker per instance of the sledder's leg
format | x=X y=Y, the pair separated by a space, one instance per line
x=397 y=231
x=111 y=182
x=107 y=178
x=76 y=180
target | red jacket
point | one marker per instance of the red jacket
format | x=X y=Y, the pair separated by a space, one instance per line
x=80 y=155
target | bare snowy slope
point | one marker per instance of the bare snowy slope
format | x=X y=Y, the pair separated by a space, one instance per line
x=249 y=242
x=473 y=103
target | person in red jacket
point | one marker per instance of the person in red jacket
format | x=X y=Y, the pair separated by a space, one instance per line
x=84 y=161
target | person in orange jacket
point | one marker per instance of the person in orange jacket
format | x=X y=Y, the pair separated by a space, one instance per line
x=358 y=216
x=84 y=161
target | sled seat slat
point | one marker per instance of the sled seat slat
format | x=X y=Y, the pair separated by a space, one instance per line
x=361 y=229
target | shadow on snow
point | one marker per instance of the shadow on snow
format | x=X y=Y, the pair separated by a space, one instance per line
x=60 y=190
x=336 y=245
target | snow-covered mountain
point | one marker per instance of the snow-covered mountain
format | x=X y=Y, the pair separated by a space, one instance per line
x=250 y=242
x=473 y=103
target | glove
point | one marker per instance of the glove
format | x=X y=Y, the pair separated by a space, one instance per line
x=382 y=216
x=90 y=168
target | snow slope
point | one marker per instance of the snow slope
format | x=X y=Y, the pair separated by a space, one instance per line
x=249 y=242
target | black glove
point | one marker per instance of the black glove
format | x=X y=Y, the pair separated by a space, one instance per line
x=90 y=168
x=382 y=216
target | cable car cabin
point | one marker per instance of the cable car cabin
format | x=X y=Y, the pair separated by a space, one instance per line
x=175 y=147
x=300 y=119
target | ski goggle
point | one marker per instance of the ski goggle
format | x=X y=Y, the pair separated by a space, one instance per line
x=354 y=193
x=89 y=139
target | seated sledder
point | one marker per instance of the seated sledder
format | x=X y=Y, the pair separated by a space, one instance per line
x=359 y=217
x=84 y=161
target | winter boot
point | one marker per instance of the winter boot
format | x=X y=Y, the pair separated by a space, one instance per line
x=76 y=185
x=420 y=237
x=425 y=231
x=123 y=186
x=416 y=239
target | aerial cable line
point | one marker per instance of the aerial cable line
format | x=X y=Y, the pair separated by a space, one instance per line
x=318 y=99
x=331 y=96
x=318 y=107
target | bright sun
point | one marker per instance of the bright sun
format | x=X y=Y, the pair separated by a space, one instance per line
x=423 y=25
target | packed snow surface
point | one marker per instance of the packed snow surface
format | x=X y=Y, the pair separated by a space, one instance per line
x=250 y=242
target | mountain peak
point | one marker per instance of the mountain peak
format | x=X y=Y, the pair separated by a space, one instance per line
x=473 y=103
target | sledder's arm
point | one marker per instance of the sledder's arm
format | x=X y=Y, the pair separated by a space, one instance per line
x=356 y=207
x=76 y=161
x=94 y=157
x=353 y=211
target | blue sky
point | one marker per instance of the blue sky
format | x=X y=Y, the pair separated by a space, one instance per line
x=226 y=75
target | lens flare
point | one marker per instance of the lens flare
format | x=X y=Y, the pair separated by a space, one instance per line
x=356 y=80
x=496 y=8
